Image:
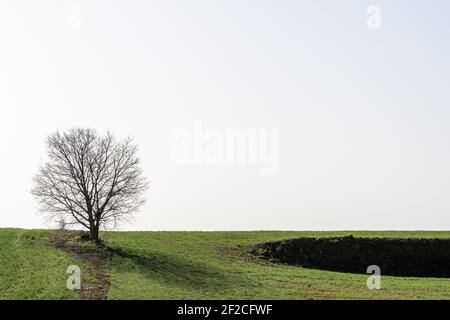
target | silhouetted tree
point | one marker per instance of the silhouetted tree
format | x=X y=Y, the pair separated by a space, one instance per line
x=90 y=180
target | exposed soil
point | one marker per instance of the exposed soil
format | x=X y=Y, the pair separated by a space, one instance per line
x=398 y=257
x=95 y=285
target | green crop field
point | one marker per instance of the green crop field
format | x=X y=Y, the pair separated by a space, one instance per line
x=187 y=265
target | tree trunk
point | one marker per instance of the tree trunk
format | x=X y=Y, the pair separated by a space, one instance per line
x=94 y=233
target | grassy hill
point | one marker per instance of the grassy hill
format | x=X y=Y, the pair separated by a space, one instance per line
x=186 y=265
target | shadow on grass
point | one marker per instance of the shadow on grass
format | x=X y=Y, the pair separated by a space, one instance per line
x=173 y=269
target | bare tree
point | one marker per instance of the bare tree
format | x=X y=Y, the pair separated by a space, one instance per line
x=90 y=180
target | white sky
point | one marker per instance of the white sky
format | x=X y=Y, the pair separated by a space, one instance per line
x=363 y=115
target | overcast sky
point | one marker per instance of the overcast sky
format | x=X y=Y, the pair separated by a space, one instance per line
x=361 y=107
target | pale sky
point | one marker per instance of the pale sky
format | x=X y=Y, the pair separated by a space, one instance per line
x=362 y=115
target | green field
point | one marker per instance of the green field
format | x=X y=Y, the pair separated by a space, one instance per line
x=191 y=265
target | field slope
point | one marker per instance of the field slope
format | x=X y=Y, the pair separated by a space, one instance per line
x=193 y=265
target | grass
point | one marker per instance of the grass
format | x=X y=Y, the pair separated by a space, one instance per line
x=196 y=265
x=29 y=269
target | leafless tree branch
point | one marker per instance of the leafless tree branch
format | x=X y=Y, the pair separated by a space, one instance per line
x=90 y=180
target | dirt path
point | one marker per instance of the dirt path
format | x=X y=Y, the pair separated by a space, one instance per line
x=94 y=285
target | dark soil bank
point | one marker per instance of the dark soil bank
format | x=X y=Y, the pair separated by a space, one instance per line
x=399 y=257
